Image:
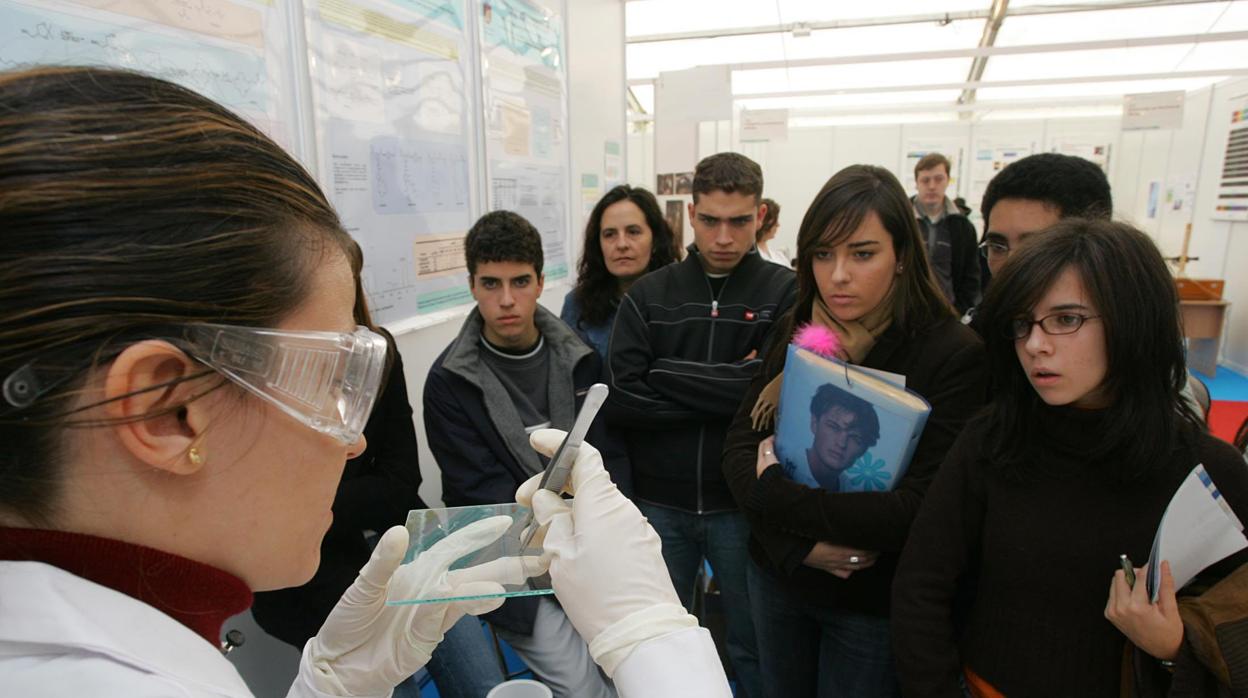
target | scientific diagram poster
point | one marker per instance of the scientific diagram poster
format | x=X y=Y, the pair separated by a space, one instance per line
x=392 y=92
x=524 y=93
x=235 y=52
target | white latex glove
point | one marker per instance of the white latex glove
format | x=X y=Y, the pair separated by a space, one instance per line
x=606 y=562
x=366 y=648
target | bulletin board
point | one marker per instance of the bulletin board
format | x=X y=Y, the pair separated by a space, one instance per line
x=416 y=116
x=524 y=91
x=1231 y=202
x=392 y=95
x=237 y=53
x=989 y=156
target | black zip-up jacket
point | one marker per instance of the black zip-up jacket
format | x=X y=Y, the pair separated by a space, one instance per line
x=677 y=370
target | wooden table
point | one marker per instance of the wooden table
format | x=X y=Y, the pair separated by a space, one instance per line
x=1202 y=326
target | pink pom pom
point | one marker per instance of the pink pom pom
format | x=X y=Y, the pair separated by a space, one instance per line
x=818 y=339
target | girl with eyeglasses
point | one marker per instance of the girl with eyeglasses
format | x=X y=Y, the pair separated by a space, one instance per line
x=1003 y=583
x=182 y=379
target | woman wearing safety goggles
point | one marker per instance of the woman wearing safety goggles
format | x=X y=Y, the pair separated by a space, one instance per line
x=181 y=382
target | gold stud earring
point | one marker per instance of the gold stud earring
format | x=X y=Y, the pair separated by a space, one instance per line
x=195 y=456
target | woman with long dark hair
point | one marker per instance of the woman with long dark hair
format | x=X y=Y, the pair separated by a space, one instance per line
x=183 y=377
x=822 y=562
x=1003 y=582
x=625 y=238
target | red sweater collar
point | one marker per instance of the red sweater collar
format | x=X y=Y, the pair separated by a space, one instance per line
x=196 y=595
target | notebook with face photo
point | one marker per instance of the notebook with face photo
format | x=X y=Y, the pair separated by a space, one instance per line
x=841 y=428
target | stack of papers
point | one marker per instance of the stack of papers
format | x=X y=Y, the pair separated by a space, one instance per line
x=1197 y=530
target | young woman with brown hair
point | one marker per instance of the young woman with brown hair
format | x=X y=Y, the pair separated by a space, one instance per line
x=823 y=561
x=182 y=378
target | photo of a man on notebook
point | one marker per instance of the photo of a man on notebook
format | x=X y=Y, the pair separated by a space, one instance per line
x=842 y=427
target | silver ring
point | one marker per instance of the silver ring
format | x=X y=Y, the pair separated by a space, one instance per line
x=854 y=559
x=766 y=453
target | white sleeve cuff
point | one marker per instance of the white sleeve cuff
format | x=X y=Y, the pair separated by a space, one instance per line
x=682 y=664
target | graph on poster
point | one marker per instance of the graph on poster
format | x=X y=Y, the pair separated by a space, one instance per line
x=237 y=78
x=397 y=110
x=524 y=92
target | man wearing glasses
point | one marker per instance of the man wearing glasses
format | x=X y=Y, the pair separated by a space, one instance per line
x=1032 y=194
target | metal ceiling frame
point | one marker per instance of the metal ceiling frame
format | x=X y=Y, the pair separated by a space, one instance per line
x=984 y=84
x=931 y=18
x=985 y=51
x=994 y=17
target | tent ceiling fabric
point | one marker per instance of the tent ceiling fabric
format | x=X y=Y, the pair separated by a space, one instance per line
x=1212 y=47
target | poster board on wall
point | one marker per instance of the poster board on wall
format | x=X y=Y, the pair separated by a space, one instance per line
x=384 y=101
x=524 y=103
x=236 y=52
x=1231 y=202
x=392 y=86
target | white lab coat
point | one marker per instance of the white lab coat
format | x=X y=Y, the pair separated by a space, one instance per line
x=62 y=635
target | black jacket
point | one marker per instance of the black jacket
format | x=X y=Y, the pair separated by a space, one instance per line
x=477 y=438
x=376 y=492
x=955 y=261
x=944 y=364
x=677 y=369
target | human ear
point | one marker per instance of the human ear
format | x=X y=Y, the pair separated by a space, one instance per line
x=155 y=378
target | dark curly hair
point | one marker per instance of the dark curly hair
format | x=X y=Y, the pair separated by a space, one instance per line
x=1077 y=187
x=502 y=236
x=597 y=291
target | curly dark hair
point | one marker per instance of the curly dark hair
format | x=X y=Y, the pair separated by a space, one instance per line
x=502 y=236
x=1077 y=187
x=770 y=219
x=597 y=291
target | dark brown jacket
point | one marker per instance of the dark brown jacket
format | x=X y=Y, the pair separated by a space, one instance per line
x=944 y=364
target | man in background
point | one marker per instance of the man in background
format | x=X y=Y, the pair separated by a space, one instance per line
x=948 y=233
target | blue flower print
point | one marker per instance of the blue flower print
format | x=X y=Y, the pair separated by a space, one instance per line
x=869 y=474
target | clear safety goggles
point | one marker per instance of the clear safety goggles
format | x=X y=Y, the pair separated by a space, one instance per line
x=327 y=380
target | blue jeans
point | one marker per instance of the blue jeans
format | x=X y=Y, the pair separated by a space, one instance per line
x=464 y=665
x=720 y=539
x=807 y=650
